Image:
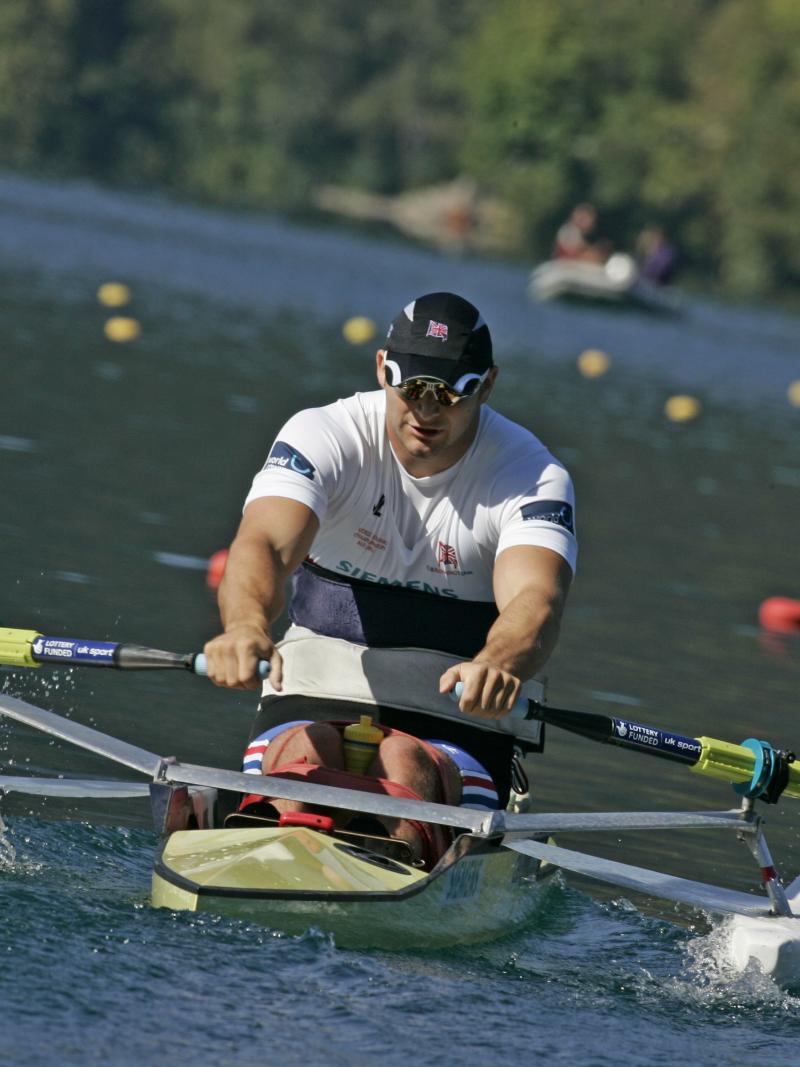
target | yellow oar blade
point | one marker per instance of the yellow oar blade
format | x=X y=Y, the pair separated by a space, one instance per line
x=15 y=647
x=735 y=763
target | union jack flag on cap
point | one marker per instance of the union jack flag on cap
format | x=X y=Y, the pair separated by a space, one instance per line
x=437 y=329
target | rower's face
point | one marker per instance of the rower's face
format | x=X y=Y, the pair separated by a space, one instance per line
x=426 y=436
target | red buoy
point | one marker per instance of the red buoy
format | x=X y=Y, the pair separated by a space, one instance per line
x=216 y=568
x=780 y=614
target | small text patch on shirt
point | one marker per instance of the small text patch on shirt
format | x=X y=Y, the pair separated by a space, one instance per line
x=285 y=457
x=557 y=511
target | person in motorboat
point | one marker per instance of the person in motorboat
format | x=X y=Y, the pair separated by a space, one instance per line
x=657 y=256
x=430 y=541
x=575 y=238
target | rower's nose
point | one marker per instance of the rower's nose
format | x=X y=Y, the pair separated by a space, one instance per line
x=427 y=405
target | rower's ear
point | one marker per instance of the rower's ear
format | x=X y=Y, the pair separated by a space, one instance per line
x=488 y=385
x=380 y=366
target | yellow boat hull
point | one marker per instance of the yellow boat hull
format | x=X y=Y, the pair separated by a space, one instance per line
x=293 y=879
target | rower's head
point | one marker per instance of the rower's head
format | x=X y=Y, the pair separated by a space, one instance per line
x=438 y=338
x=436 y=368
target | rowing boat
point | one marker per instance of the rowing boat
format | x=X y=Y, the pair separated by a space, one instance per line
x=295 y=878
x=300 y=872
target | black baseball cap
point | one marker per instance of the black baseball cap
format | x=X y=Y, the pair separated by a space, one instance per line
x=439 y=335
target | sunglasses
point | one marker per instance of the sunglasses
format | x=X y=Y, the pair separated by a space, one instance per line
x=414 y=389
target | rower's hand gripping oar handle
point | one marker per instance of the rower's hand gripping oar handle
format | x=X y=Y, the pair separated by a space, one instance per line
x=27 y=648
x=521 y=708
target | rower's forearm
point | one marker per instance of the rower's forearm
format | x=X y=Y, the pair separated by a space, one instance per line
x=252 y=590
x=523 y=636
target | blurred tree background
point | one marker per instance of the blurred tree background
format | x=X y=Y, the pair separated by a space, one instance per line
x=686 y=114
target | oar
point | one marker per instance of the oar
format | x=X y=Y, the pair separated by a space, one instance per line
x=715 y=899
x=755 y=767
x=27 y=648
x=78 y=788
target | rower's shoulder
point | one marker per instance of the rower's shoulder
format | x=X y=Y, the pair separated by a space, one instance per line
x=357 y=414
x=504 y=439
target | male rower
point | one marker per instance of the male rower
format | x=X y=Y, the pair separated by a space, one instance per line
x=431 y=541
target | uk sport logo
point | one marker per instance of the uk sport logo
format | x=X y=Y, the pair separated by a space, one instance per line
x=437 y=329
x=446 y=556
x=284 y=457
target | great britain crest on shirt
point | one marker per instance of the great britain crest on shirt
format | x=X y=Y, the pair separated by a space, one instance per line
x=447 y=555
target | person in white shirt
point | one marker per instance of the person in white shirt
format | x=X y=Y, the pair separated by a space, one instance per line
x=430 y=540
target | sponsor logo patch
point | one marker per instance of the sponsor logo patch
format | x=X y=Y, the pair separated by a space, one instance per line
x=285 y=457
x=556 y=511
x=437 y=329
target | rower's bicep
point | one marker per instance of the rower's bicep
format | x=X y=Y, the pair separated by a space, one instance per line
x=283 y=526
x=540 y=571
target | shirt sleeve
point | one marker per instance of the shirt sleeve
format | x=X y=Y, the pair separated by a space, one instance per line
x=543 y=515
x=305 y=462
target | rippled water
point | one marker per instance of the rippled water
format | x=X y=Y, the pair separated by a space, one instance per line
x=123 y=467
x=94 y=976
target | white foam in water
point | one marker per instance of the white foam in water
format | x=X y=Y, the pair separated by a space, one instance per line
x=711 y=975
x=74 y=577
x=175 y=559
x=8 y=853
x=16 y=444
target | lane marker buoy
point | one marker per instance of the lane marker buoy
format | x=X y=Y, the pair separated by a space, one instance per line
x=216 y=568
x=682 y=408
x=121 y=329
x=359 y=330
x=114 y=294
x=593 y=362
x=780 y=614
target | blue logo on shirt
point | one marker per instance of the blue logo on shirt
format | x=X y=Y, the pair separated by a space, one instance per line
x=285 y=457
x=550 y=511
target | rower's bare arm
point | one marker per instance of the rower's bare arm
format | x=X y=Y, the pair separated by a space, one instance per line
x=530 y=587
x=273 y=539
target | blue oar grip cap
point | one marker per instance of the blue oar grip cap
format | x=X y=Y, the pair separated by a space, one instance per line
x=200 y=666
x=770 y=772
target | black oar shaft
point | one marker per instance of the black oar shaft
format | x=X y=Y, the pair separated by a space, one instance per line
x=622 y=732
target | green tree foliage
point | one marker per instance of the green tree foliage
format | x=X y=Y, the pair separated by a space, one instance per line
x=684 y=113
x=572 y=100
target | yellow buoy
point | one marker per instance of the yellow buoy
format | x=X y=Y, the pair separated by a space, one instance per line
x=358 y=330
x=592 y=363
x=114 y=294
x=120 y=328
x=793 y=392
x=682 y=408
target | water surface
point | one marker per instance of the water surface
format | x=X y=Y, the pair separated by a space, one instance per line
x=123 y=468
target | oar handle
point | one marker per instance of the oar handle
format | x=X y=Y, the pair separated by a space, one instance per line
x=520 y=710
x=200 y=666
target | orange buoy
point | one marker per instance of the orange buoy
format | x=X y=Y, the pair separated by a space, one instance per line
x=781 y=614
x=216 y=568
